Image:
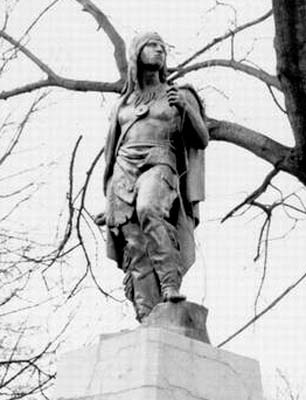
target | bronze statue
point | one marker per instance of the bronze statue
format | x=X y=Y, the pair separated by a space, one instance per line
x=153 y=178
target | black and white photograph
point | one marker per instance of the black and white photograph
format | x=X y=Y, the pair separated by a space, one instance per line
x=152 y=199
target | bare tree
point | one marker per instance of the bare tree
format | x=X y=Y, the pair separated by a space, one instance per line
x=285 y=390
x=287 y=83
x=281 y=157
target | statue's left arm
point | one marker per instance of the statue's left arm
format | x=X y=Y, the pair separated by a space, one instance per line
x=189 y=107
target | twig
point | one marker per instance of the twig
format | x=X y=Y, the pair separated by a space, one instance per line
x=264 y=311
x=99 y=287
x=225 y=36
x=70 y=207
x=21 y=127
x=65 y=83
x=233 y=64
x=117 y=41
x=78 y=221
x=300 y=200
x=294 y=208
x=38 y=18
x=15 y=192
x=267 y=227
x=268 y=212
x=287 y=384
x=13 y=352
x=275 y=100
x=14 y=49
x=17 y=205
x=24 y=171
x=44 y=67
x=253 y=196
x=54 y=79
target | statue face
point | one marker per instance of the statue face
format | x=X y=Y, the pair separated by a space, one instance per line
x=153 y=55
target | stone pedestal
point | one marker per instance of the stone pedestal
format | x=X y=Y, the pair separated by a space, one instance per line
x=155 y=363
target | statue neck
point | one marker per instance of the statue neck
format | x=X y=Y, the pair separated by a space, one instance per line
x=149 y=79
x=148 y=93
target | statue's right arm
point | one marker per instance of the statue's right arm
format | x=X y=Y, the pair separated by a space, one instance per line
x=110 y=146
x=112 y=135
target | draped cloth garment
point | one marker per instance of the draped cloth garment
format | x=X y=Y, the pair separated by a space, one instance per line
x=123 y=168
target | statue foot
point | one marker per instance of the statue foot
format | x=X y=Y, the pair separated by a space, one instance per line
x=173 y=295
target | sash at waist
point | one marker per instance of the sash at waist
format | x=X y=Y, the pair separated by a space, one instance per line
x=147 y=154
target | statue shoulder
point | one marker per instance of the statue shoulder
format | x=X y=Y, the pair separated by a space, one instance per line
x=113 y=115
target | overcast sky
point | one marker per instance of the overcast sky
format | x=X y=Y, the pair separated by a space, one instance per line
x=225 y=276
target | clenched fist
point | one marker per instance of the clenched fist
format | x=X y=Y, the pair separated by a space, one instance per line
x=176 y=97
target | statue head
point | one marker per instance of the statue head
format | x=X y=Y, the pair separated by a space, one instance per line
x=134 y=62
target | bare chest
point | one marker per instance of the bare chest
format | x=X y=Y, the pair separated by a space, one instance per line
x=159 y=112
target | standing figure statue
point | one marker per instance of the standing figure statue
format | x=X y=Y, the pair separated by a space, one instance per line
x=154 y=178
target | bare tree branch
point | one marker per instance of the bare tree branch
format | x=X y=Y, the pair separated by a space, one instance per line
x=25 y=171
x=6 y=18
x=79 y=232
x=276 y=100
x=227 y=35
x=288 y=388
x=21 y=127
x=223 y=4
x=65 y=83
x=236 y=65
x=253 y=196
x=265 y=229
x=54 y=79
x=257 y=143
x=38 y=18
x=14 y=51
x=89 y=219
x=41 y=65
x=13 y=352
x=117 y=41
x=264 y=311
x=17 y=191
x=30 y=365
x=71 y=210
x=18 y=204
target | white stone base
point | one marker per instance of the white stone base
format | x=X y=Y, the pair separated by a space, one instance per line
x=155 y=364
